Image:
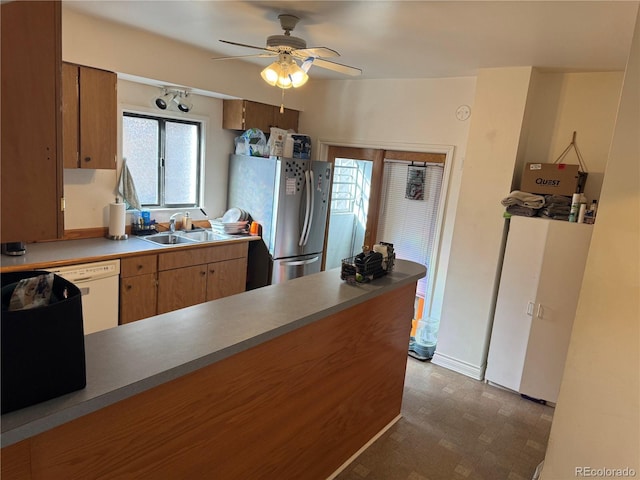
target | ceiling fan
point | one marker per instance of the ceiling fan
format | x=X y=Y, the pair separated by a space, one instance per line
x=289 y=50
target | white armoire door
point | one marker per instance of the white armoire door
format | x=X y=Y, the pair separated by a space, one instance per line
x=541 y=276
x=556 y=301
x=512 y=319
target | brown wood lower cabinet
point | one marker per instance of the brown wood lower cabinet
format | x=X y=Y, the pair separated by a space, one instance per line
x=155 y=284
x=181 y=287
x=226 y=278
x=138 y=288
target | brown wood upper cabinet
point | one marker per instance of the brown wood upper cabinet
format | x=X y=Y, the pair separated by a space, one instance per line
x=31 y=167
x=245 y=114
x=89 y=117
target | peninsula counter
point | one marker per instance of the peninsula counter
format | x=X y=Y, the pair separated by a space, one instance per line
x=285 y=381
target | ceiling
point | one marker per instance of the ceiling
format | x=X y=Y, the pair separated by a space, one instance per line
x=399 y=39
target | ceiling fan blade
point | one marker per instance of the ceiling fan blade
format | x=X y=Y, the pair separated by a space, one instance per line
x=255 y=55
x=337 y=67
x=315 y=52
x=246 y=46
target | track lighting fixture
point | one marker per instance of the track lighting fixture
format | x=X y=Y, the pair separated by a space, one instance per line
x=178 y=97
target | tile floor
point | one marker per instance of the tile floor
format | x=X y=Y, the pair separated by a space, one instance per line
x=456 y=428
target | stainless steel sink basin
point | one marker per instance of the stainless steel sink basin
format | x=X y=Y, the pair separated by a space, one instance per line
x=204 y=235
x=181 y=237
x=167 y=238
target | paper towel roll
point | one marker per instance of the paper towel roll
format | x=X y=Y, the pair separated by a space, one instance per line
x=117 y=217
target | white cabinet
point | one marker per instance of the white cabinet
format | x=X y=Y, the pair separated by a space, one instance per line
x=539 y=287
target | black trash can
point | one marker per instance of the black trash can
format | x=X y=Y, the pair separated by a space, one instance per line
x=42 y=352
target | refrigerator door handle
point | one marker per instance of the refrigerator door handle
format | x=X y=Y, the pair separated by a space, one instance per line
x=313 y=201
x=306 y=213
x=300 y=262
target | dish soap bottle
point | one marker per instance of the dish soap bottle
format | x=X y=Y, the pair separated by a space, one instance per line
x=186 y=221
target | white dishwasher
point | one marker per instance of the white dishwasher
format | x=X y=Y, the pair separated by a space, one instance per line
x=99 y=284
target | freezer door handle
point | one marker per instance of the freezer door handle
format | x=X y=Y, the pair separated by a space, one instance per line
x=306 y=213
x=313 y=201
x=300 y=262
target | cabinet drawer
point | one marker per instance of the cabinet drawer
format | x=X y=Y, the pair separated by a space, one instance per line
x=130 y=267
x=199 y=256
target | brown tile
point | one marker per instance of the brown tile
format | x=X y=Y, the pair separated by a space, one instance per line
x=456 y=428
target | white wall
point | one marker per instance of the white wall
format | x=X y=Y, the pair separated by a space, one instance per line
x=597 y=419
x=401 y=115
x=494 y=138
x=564 y=103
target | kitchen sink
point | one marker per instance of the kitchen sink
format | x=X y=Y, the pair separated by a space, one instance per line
x=181 y=237
x=167 y=238
x=204 y=235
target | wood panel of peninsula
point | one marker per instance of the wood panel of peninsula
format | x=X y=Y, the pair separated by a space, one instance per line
x=297 y=406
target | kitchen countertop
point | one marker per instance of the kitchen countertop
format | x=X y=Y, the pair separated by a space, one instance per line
x=70 y=252
x=132 y=358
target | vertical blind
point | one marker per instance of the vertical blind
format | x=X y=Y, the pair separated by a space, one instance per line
x=410 y=224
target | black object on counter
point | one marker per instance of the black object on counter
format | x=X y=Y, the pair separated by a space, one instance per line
x=14 y=248
x=42 y=348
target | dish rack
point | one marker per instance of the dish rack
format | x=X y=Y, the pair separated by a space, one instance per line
x=369 y=265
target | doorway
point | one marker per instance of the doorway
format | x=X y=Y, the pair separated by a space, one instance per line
x=391 y=196
x=355 y=199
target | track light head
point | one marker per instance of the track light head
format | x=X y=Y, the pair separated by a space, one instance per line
x=182 y=100
x=179 y=97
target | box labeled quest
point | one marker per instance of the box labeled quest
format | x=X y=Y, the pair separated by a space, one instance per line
x=552 y=179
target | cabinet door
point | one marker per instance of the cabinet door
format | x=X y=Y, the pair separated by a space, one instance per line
x=181 y=288
x=286 y=120
x=258 y=115
x=565 y=256
x=31 y=167
x=137 y=297
x=515 y=301
x=70 y=116
x=226 y=278
x=98 y=118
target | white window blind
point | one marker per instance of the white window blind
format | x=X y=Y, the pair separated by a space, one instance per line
x=410 y=224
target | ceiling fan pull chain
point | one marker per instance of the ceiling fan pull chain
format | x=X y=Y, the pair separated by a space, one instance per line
x=282 y=103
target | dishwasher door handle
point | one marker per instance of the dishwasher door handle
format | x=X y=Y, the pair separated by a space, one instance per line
x=84 y=291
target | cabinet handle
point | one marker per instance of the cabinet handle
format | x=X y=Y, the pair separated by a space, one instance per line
x=128 y=287
x=203 y=273
x=139 y=267
x=540 y=312
x=212 y=271
x=87 y=159
x=530 y=306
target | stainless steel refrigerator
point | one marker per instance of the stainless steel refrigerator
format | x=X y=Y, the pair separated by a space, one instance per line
x=289 y=197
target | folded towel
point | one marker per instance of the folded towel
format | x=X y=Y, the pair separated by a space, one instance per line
x=523 y=199
x=127 y=187
x=522 y=211
x=557 y=199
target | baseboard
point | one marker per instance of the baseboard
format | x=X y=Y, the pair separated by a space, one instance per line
x=363 y=448
x=459 y=366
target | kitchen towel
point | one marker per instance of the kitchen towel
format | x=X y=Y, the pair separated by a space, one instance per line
x=127 y=187
x=117 y=217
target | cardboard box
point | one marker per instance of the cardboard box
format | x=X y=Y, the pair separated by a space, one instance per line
x=552 y=179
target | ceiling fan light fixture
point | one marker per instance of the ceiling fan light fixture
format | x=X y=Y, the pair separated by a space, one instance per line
x=284 y=73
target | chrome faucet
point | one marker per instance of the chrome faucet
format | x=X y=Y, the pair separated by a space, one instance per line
x=172 y=221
